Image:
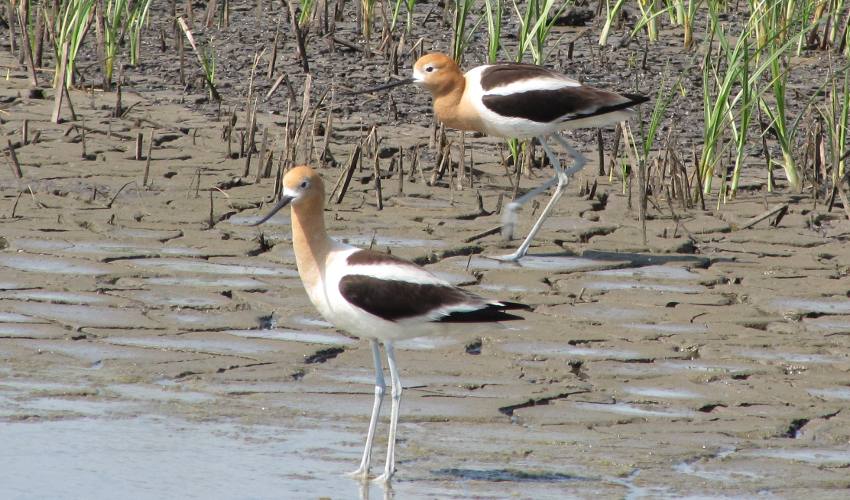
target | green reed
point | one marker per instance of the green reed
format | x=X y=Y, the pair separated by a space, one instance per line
x=494 y=10
x=368 y=9
x=114 y=22
x=409 y=6
x=461 y=34
x=306 y=12
x=137 y=17
x=836 y=117
x=611 y=13
x=70 y=25
x=535 y=26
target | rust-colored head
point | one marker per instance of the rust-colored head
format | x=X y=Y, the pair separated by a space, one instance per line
x=302 y=187
x=438 y=73
x=303 y=184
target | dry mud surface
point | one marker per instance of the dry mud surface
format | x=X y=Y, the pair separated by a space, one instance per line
x=143 y=351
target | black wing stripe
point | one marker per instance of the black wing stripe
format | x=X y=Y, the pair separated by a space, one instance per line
x=490 y=313
x=568 y=103
x=395 y=300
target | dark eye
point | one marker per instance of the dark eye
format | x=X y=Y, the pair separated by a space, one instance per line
x=304 y=184
x=429 y=68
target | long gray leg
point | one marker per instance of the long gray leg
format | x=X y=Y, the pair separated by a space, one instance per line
x=562 y=178
x=579 y=161
x=509 y=215
x=362 y=472
x=395 y=380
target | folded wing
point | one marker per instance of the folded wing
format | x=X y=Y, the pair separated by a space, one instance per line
x=396 y=290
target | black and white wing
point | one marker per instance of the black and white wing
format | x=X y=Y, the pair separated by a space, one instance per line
x=397 y=290
x=541 y=95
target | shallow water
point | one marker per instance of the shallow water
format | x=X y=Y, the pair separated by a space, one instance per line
x=153 y=457
x=821 y=456
x=60 y=297
x=85 y=315
x=196 y=345
x=207 y=281
x=668 y=328
x=294 y=336
x=159 y=393
x=551 y=263
x=9 y=317
x=103 y=248
x=639 y=285
x=279 y=219
x=204 y=267
x=56 y=265
x=553 y=349
x=652 y=392
x=382 y=241
x=836 y=393
x=32 y=330
x=650 y=272
x=632 y=410
x=807 y=305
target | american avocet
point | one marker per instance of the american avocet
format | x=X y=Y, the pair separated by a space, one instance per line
x=373 y=295
x=514 y=100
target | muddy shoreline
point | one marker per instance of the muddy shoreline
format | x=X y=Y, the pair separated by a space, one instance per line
x=140 y=343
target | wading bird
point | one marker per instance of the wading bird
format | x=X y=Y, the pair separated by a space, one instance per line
x=514 y=100
x=373 y=295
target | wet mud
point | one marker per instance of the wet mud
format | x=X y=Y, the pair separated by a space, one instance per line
x=143 y=344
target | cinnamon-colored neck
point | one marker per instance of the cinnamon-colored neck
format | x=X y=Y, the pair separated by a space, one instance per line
x=310 y=238
x=452 y=109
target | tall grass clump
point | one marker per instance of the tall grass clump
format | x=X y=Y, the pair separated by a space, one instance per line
x=731 y=91
x=535 y=26
x=612 y=10
x=649 y=19
x=137 y=17
x=778 y=114
x=367 y=7
x=409 y=6
x=70 y=25
x=494 y=10
x=114 y=21
x=836 y=116
x=683 y=13
x=306 y=12
x=718 y=84
x=461 y=34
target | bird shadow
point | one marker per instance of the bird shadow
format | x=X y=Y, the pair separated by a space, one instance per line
x=645 y=259
x=505 y=475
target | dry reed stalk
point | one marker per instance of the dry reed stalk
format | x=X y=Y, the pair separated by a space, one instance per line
x=194 y=46
x=400 y=191
x=273 y=58
x=461 y=167
x=345 y=176
x=300 y=35
x=328 y=127
x=148 y=160
x=14 y=163
x=23 y=20
x=379 y=198
x=60 y=84
x=261 y=161
x=601 y=155
x=138 y=155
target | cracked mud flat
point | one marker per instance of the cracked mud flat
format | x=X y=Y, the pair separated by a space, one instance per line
x=140 y=348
